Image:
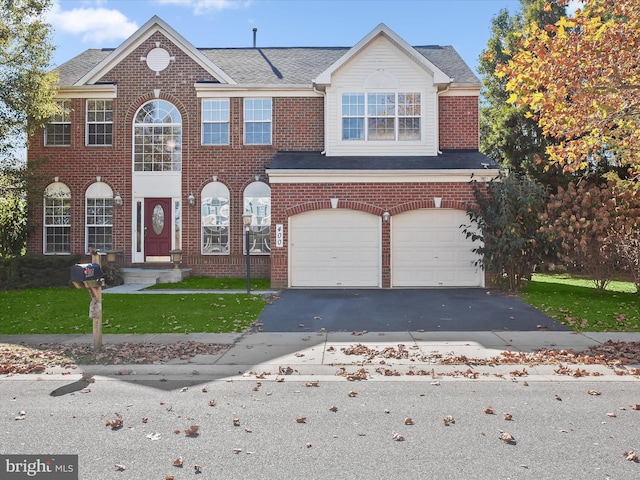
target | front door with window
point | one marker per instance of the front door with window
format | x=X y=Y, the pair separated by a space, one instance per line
x=157 y=229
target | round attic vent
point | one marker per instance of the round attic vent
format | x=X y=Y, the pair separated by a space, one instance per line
x=158 y=59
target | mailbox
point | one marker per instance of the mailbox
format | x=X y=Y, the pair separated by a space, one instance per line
x=86 y=272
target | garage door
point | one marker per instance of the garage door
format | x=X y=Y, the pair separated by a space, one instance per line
x=334 y=248
x=428 y=249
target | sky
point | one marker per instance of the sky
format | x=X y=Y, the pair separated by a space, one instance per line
x=464 y=24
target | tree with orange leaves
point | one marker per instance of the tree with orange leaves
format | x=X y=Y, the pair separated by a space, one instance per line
x=580 y=79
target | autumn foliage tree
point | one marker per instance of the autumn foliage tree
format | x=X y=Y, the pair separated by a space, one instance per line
x=580 y=79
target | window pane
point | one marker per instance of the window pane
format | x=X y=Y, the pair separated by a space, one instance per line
x=409 y=129
x=353 y=128
x=381 y=129
x=381 y=104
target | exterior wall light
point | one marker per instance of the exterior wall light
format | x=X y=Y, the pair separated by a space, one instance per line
x=385 y=217
x=118 y=200
x=191 y=199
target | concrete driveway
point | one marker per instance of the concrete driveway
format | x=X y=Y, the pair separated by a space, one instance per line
x=393 y=310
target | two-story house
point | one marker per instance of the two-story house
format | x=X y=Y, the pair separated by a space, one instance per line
x=354 y=163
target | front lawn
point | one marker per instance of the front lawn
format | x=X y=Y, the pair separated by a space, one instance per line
x=66 y=310
x=208 y=283
x=577 y=304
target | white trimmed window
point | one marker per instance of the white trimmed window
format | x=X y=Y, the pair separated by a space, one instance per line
x=381 y=116
x=257 y=121
x=215 y=121
x=99 y=217
x=215 y=219
x=157 y=138
x=99 y=122
x=57 y=218
x=57 y=131
x=257 y=202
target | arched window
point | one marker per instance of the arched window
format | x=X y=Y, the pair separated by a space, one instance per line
x=99 y=217
x=257 y=201
x=157 y=138
x=57 y=218
x=215 y=218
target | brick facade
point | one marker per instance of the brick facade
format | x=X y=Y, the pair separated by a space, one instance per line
x=298 y=124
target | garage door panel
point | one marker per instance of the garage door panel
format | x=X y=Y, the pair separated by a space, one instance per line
x=429 y=249
x=334 y=248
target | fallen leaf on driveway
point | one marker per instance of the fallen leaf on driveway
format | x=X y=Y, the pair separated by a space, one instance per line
x=192 y=431
x=593 y=392
x=397 y=437
x=115 y=424
x=408 y=421
x=178 y=462
x=21 y=415
x=301 y=420
x=631 y=456
x=489 y=410
x=448 y=420
x=120 y=467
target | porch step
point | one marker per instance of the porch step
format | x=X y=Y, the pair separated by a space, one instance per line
x=151 y=276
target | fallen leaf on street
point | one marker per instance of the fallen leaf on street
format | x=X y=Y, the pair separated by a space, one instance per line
x=631 y=456
x=333 y=409
x=593 y=392
x=408 y=421
x=508 y=416
x=178 y=462
x=352 y=394
x=301 y=420
x=506 y=437
x=21 y=415
x=489 y=410
x=448 y=420
x=120 y=467
x=115 y=424
x=192 y=431
x=397 y=437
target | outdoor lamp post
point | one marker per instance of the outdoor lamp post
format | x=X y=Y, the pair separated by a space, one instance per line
x=246 y=221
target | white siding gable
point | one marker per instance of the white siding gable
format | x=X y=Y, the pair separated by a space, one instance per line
x=381 y=67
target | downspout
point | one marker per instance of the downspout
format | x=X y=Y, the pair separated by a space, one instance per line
x=438 y=113
x=324 y=96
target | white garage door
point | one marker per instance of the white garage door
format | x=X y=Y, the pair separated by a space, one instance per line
x=334 y=248
x=428 y=249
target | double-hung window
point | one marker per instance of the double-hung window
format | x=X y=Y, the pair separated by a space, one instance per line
x=99 y=122
x=58 y=130
x=57 y=219
x=215 y=219
x=99 y=216
x=257 y=121
x=215 y=121
x=381 y=116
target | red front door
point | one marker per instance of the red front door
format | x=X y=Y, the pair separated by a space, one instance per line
x=157 y=227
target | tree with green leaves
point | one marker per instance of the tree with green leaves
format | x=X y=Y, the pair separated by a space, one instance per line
x=506 y=221
x=506 y=134
x=27 y=100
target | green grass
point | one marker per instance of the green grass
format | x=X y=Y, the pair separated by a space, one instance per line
x=576 y=303
x=207 y=283
x=66 y=311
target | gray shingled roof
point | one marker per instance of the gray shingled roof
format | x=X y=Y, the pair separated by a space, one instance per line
x=277 y=66
x=449 y=160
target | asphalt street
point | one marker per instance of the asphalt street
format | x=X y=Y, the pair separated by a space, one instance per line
x=561 y=431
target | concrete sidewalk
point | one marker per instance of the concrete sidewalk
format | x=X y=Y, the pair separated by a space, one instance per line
x=383 y=355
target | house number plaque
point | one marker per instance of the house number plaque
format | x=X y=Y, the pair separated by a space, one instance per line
x=279 y=235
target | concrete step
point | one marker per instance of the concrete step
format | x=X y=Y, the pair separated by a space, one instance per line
x=151 y=276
